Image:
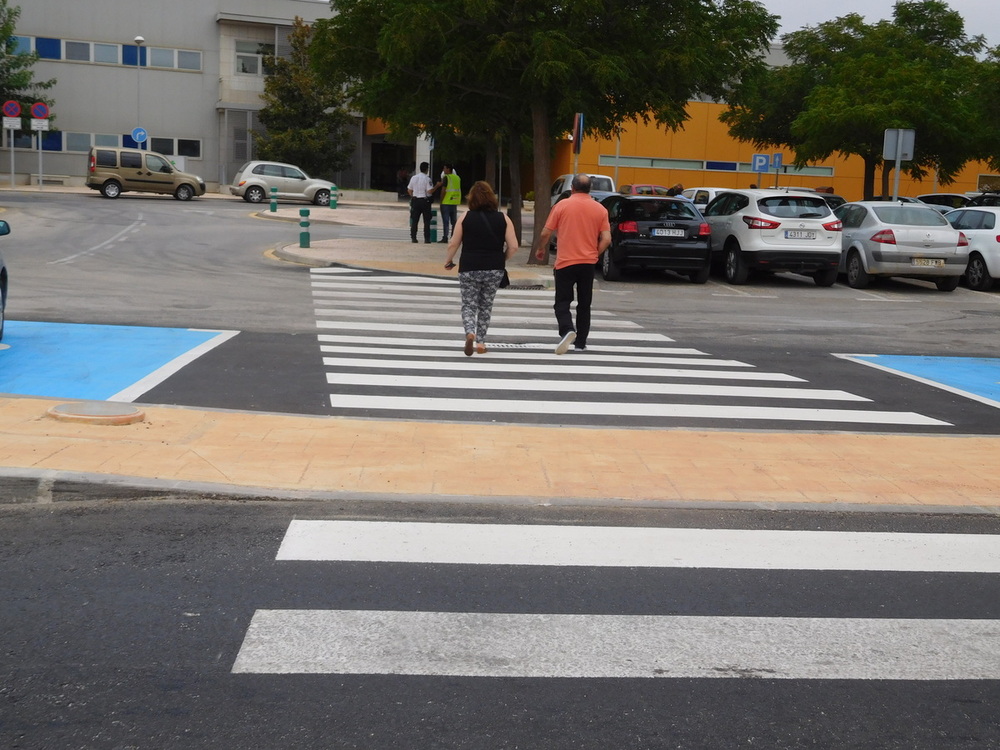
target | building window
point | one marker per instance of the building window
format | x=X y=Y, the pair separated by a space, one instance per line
x=189 y=148
x=107 y=53
x=187 y=60
x=21 y=45
x=48 y=49
x=163 y=146
x=77 y=141
x=250 y=57
x=107 y=140
x=161 y=58
x=79 y=51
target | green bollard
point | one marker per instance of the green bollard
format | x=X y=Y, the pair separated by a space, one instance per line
x=304 y=223
x=274 y=199
x=434 y=227
x=333 y=196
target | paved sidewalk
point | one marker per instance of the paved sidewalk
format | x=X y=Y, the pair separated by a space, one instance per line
x=178 y=450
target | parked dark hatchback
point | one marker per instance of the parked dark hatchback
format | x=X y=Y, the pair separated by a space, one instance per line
x=658 y=233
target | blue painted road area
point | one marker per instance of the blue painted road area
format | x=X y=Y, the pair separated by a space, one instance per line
x=95 y=362
x=977 y=378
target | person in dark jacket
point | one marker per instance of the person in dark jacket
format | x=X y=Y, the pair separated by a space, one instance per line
x=488 y=240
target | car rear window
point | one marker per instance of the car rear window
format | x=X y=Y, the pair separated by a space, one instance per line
x=601 y=183
x=106 y=158
x=660 y=210
x=794 y=207
x=910 y=216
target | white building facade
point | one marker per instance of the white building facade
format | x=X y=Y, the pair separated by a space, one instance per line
x=188 y=72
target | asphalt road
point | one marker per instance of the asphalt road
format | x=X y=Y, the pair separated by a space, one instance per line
x=124 y=622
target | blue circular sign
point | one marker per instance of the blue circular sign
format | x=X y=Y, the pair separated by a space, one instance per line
x=11 y=109
x=39 y=110
x=139 y=135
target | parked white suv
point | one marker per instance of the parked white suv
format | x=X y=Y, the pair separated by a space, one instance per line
x=773 y=231
x=254 y=180
x=601 y=186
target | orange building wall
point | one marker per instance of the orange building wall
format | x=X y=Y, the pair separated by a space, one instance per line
x=704 y=137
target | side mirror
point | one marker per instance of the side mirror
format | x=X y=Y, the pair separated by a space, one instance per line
x=4 y=228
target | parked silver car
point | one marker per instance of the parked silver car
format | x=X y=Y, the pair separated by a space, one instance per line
x=254 y=180
x=910 y=240
x=4 y=229
x=981 y=224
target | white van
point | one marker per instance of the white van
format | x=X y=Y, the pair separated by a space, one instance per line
x=601 y=186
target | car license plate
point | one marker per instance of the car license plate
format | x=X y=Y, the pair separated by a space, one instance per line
x=932 y=262
x=660 y=232
x=799 y=234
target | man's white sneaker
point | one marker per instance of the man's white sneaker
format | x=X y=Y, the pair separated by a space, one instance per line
x=565 y=342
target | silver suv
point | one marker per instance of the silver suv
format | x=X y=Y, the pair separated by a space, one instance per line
x=254 y=180
x=772 y=231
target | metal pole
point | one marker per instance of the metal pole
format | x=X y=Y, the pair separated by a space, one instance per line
x=138 y=83
x=899 y=158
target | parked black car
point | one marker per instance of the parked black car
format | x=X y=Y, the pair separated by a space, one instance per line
x=985 y=199
x=658 y=233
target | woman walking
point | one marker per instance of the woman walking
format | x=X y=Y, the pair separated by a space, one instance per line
x=482 y=233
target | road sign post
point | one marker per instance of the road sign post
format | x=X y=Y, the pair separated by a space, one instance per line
x=759 y=163
x=11 y=122
x=897 y=145
x=39 y=125
x=777 y=161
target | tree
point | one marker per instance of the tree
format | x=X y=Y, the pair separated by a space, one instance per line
x=305 y=121
x=17 y=79
x=849 y=81
x=520 y=66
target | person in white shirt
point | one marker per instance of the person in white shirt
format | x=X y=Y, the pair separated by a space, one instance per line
x=420 y=189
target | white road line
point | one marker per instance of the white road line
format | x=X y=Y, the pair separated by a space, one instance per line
x=637 y=547
x=114 y=238
x=586 y=386
x=459 y=405
x=450 y=297
x=419 y=313
x=567 y=366
x=466 y=644
x=348 y=282
x=447 y=344
x=454 y=352
x=374 y=328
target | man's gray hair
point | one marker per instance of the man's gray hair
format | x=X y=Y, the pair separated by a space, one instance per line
x=581 y=183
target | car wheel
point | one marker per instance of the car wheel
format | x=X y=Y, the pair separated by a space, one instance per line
x=826 y=277
x=184 y=193
x=111 y=189
x=610 y=270
x=977 y=275
x=701 y=276
x=857 y=276
x=254 y=194
x=736 y=266
x=322 y=198
x=947 y=283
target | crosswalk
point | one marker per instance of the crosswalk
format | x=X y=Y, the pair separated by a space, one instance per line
x=391 y=348
x=480 y=642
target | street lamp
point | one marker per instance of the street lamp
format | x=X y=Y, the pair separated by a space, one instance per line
x=139 y=41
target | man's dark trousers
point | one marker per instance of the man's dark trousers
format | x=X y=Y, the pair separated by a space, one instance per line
x=581 y=276
x=420 y=207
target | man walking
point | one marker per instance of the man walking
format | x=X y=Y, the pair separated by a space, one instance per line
x=584 y=232
x=420 y=190
x=452 y=196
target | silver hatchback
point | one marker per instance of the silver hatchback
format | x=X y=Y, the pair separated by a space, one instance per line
x=908 y=240
x=254 y=180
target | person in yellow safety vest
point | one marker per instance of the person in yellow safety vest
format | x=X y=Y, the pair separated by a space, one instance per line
x=450 y=199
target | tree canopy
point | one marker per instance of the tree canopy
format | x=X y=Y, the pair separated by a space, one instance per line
x=303 y=114
x=521 y=67
x=17 y=79
x=849 y=81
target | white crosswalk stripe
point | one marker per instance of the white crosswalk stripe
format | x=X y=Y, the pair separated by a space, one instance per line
x=543 y=645
x=391 y=347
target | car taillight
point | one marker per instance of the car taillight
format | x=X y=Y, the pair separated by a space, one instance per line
x=93 y=163
x=756 y=223
x=242 y=183
x=886 y=237
x=704 y=230
x=834 y=226
x=628 y=227
x=963 y=241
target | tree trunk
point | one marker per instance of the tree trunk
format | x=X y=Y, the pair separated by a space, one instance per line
x=886 y=173
x=514 y=159
x=868 y=187
x=490 y=172
x=543 y=173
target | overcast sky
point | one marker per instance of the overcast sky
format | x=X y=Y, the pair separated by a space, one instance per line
x=979 y=15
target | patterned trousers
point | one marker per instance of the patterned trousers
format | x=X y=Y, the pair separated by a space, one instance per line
x=479 y=288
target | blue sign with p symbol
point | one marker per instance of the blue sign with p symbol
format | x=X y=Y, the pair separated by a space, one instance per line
x=760 y=162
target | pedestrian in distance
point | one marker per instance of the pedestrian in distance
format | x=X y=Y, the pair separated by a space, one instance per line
x=451 y=185
x=487 y=239
x=584 y=232
x=420 y=190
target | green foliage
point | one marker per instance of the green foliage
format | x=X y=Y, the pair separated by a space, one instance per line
x=849 y=81
x=303 y=114
x=17 y=80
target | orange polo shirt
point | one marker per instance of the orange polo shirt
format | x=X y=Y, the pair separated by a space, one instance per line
x=579 y=221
